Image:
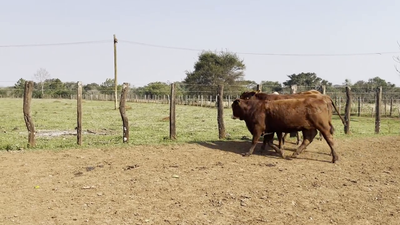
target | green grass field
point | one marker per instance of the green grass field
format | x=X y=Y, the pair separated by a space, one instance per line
x=148 y=122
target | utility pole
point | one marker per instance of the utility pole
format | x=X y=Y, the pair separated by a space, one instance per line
x=115 y=72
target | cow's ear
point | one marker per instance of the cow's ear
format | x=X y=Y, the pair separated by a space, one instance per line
x=258 y=91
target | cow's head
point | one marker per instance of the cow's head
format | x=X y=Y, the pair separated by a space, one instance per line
x=248 y=94
x=238 y=109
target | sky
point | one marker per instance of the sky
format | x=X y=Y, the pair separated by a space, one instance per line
x=160 y=40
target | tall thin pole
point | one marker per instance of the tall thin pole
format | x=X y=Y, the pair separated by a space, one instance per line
x=115 y=72
x=79 y=114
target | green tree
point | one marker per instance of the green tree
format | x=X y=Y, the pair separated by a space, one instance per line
x=107 y=87
x=347 y=82
x=214 y=69
x=157 y=89
x=307 y=80
x=379 y=82
x=361 y=86
x=92 y=88
x=3 y=92
x=19 y=88
x=271 y=86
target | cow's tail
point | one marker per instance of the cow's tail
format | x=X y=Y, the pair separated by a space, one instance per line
x=337 y=111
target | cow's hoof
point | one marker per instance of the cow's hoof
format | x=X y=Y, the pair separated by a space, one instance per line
x=288 y=158
x=246 y=154
x=294 y=155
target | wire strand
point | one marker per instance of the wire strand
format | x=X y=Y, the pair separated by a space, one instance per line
x=200 y=50
x=55 y=44
x=263 y=54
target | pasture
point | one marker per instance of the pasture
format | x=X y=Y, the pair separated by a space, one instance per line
x=196 y=179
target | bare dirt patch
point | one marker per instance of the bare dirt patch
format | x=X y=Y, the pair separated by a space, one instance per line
x=204 y=183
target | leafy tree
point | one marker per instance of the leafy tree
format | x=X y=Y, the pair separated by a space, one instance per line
x=157 y=88
x=56 y=88
x=271 y=86
x=377 y=82
x=308 y=80
x=361 y=86
x=91 y=88
x=214 y=69
x=3 y=92
x=19 y=88
x=107 y=87
x=347 y=82
x=71 y=86
x=41 y=76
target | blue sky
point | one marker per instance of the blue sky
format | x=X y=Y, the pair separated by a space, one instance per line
x=253 y=26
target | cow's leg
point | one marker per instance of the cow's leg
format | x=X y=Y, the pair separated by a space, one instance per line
x=265 y=139
x=308 y=137
x=281 y=142
x=298 y=138
x=329 y=139
x=278 y=150
x=283 y=138
x=268 y=137
x=256 y=137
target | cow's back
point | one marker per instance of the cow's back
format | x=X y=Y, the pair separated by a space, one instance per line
x=287 y=115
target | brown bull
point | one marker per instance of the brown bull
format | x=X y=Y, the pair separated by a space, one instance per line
x=288 y=115
x=251 y=95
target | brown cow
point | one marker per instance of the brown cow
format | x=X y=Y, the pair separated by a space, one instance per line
x=287 y=115
x=270 y=97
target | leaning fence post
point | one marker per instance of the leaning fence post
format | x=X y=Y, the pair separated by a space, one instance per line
x=27 y=113
x=172 y=123
x=220 y=104
x=122 y=110
x=79 y=114
x=347 y=111
x=377 y=110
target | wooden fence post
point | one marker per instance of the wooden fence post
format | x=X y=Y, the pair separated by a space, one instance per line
x=220 y=104
x=122 y=111
x=347 y=111
x=377 y=110
x=27 y=113
x=324 y=89
x=79 y=114
x=172 y=124
x=391 y=107
x=384 y=106
x=359 y=106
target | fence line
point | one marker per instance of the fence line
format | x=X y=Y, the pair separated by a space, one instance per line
x=354 y=105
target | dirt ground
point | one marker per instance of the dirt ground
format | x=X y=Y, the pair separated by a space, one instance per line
x=203 y=183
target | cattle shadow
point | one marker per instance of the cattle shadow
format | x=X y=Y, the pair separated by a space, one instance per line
x=239 y=147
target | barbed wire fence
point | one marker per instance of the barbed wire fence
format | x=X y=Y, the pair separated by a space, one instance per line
x=362 y=102
x=190 y=95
